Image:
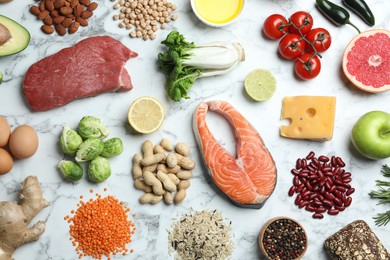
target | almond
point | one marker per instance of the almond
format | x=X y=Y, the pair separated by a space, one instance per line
x=82 y=21
x=66 y=10
x=92 y=6
x=78 y=10
x=85 y=2
x=42 y=6
x=86 y=14
x=35 y=10
x=67 y=22
x=70 y=16
x=74 y=3
x=49 y=4
x=43 y=14
x=54 y=13
x=58 y=19
x=48 y=20
x=74 y=27
x=59 y=3
x=47 y=29
x=60 y=29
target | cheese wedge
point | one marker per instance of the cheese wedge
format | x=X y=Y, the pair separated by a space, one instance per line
x=312 y=117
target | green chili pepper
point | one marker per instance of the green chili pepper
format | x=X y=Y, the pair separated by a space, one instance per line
x=361 y=8
x=335 y=13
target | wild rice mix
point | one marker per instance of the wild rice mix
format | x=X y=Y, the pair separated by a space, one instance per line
x=201 y=235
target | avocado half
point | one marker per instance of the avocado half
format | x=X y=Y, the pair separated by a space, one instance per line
x=19 y=36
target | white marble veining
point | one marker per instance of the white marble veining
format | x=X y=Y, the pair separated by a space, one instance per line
x=150 y=241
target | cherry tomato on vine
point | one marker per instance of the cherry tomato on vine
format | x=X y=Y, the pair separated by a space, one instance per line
x=320 y=38
x=307 y=66
x=275 y=26
x=301 y=21
x=291 y=46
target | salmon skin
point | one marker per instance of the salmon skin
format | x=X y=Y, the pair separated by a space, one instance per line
x=247 y=180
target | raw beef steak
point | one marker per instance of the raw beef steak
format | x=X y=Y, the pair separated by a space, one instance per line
x=91 y=67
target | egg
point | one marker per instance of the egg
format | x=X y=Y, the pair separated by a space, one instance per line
x=6 y=162
x=23 y=142
x=5 y=132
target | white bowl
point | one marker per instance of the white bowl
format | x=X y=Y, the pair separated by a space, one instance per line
x=216 y=24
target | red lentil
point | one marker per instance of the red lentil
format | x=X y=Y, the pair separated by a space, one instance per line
x=100 y=227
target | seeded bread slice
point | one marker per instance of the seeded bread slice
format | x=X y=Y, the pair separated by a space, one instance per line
x=356 y=241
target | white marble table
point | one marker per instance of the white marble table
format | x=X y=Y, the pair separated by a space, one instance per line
x=150 y=241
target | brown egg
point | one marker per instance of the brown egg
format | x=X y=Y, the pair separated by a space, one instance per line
x=5 y=132
x=23 y=142
x=6 y=162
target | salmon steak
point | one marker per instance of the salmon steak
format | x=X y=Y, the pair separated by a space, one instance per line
x=247 y=180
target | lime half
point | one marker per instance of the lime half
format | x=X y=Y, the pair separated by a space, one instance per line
x=260 y=84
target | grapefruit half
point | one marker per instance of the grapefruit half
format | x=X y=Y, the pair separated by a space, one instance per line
x=366 y=61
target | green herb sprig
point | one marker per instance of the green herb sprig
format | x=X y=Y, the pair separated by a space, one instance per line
x=383 y=194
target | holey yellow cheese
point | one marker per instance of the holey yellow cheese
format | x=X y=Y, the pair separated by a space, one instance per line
x=311 y=117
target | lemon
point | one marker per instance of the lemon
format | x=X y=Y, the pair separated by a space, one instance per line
x=260 y=84
x=146 y=115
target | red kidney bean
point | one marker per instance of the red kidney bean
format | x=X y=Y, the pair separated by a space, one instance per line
x=310 y=155
x=314 y=182
x=342 y=171
x=300 y=187
x=333 y=161
x=338 y=194
x=292 y=190
x=344 y=199
x=346 y=185
x=310 y=208
x=327 y=169
x=315 y=162
x=346 y=175
x=329 y=196
x=306 y=193
x=323 y=158
x=336 y=171
x=298 y=164
x=313 y=196
x=350 y=191
x=318 y=215
x=312 y=177
x=340 y=188
x=298 y=199
x=337 y=182
x=347 y=180
x=320 y=197
x=332 y=189
x=303 y=204
x=296 y=181
x=317 y=203
x=322 y=181
x=322 y=191
x=340 y=162
x=295 y=171
x=348 y=202
x=327 y=203
x=321 y=209
x=339 y=208
x=308 y=186
x=320 y=174
x=327 y=185
x=316 y=188
x=304 y=163
x=338 y=201
x=333 y=211
x=311 y=168
x=305 y=170
x=303 y=174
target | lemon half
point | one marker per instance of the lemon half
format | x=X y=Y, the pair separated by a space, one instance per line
x=146 y=115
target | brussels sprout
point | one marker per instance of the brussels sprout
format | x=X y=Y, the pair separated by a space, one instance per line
x=70 y=170
x=112 y=147
x=70 y=140
x=91 y=127
x=89 y=150
x=99 y=169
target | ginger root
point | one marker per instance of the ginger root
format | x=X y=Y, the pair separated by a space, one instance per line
x=15 y=217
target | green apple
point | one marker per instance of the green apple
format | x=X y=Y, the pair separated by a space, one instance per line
x=371 y=135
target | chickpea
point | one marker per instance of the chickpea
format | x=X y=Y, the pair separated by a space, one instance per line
x=174 y=17
x=121 y=15
x=115 y=17
x=153 y=36
x=122 y=25
x=117 y=6
x=133 y=34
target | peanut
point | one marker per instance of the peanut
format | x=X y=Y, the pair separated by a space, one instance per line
x=168 y=198
x=147 y=148
x=184 y=175
x=153 y=159
x=166 y=144
x=183 y=185
x=164 y=168
x=136 y=169
x=171 y=160
x=185 y=162
x=183 y=149
x=151 y=168
x=174 y=178
x=158 y=149
x=151 y=180
x=141 y=185
x=150 y=198
x=179 y=196
x=166 y=181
